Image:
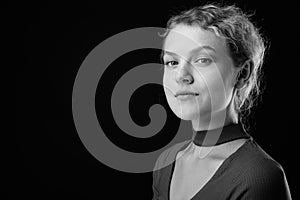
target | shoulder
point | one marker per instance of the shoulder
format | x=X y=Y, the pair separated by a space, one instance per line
x=262 y=172
x=252 y=158
x=261 y=176
x=257 y=161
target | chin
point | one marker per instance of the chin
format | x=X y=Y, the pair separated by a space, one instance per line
x=186 y=117
x=186 y=113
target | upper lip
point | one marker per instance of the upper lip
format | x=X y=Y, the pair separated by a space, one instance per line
x=185 y=93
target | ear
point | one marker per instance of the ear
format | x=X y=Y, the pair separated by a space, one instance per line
x=244 y=73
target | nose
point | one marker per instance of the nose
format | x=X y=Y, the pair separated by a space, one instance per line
x=184 y=75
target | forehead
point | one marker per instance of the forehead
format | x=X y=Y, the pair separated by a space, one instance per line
x=183 y=38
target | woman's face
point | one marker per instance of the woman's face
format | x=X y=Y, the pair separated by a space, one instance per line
x=197 y=61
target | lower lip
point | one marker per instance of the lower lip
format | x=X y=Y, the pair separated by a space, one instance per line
x=186 y=97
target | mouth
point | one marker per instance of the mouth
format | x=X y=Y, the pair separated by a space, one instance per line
x=186 y=94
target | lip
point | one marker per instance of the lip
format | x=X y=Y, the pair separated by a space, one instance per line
x=185 y=97
x=186 y=93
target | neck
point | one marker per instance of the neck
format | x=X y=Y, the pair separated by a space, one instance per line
x=216 y=119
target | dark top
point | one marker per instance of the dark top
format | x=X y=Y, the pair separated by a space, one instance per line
x=248 y=173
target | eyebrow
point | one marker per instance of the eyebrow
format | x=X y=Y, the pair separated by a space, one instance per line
x=197 y=49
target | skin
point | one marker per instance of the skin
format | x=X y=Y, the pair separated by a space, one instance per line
x=211 y=73
x=198 y=60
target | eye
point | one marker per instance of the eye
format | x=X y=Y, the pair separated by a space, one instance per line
x=171 y=63
x=204 y=61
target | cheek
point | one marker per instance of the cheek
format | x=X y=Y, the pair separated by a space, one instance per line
x=167 y=84
x=218 y=87
x=213 y=85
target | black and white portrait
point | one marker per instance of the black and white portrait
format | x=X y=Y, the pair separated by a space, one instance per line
x=158 y=100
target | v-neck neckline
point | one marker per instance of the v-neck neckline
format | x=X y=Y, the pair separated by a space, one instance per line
x=215 y=175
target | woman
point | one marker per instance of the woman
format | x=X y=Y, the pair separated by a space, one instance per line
x=213 y=57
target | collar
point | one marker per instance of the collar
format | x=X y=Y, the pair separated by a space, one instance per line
x=220 y=135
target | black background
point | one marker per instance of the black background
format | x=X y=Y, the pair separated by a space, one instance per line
x=53 y=163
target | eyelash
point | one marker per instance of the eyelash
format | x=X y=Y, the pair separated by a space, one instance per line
x=167 y=63
x=206 y=59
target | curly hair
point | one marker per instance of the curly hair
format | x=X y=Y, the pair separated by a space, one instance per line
x=243 y=41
